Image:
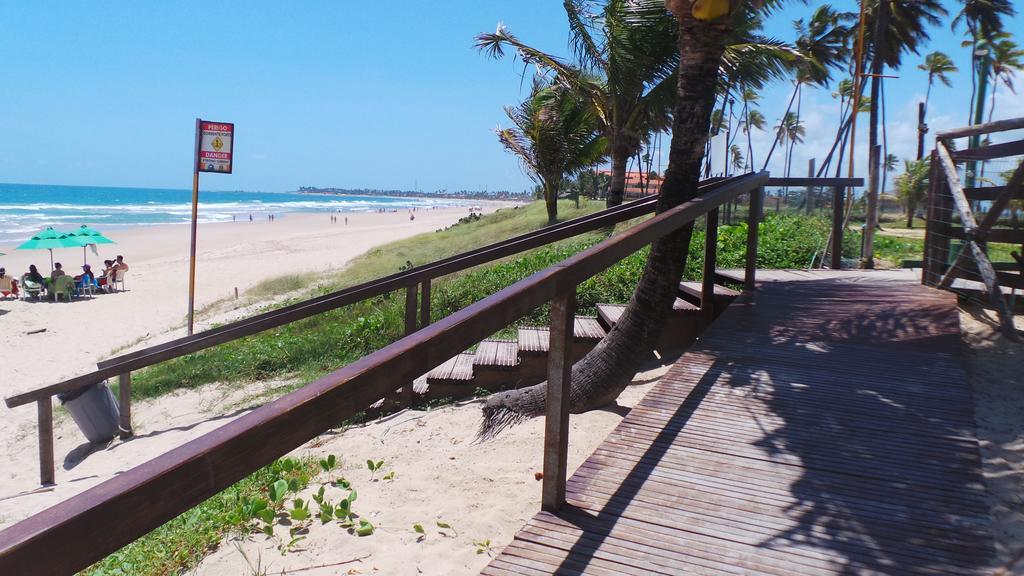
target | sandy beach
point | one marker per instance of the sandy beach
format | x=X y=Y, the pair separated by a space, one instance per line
x=153 y=309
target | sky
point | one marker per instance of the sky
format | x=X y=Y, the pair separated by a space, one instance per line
x=355 y=95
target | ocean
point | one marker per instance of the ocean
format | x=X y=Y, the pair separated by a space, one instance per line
x=25 y=209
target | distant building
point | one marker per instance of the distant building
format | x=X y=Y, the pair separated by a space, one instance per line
x=634 y=189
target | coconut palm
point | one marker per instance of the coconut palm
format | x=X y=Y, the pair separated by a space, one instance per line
x=893 y=28
x=1006 y=58
x=912 y=186
x=937 y=65
x=630 y=49
x=752 y=119
x=823 y=44
x=888 y=165
x=789 y=131
x=555 y=136
x=631 y=45
x=983 y=20
x=703 y=33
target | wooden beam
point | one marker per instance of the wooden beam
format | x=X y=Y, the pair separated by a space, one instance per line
x=556 y=407
x=990 y=152
x=425 y=303
x=124 y=394
x=995 y=293
x=990 y=193
x=838 y=201
x=753 y=224
x=823 y=182
x=707 y=288
x=45 y=411
x=988 y=128
x=956 y=189
x=1014 y=185
x=410 y=327
x=998 y=235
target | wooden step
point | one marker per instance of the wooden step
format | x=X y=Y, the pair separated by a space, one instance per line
x=458 y=368
x=691 y=291
x=680 y=329
x=609 y=314
x=502 y=354
x=535 y=340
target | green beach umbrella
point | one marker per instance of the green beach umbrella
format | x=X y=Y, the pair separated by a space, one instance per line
x=87 y=236
x=48 y=240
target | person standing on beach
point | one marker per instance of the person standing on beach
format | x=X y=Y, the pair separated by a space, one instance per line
x=250 y=216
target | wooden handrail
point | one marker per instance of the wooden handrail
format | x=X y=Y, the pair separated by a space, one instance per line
x=287 y=314
x=822 y=182
x=977 y=129
x=100 y=520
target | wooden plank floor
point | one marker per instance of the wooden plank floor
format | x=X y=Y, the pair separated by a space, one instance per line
x=821 y=426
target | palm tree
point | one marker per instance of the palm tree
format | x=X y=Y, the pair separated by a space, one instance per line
x=937 y=65
x=555 y=136
x=1006 y=58
x=790 y=130
x=631 y=45
x=823 y=44
x=912 y=186
x=894 y=28
x=737 y=160
x=888 y=165
x=631 y=51
x=703 y=32
x=752 y=118
x=984 y=21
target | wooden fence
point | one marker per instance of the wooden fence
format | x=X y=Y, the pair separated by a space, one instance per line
x=947 y=197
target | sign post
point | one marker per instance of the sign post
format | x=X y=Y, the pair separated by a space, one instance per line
x=213 y=153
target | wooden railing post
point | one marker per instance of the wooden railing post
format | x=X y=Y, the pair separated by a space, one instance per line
x=838 y=202
x=46 y=473
x=707 y=289
x=753 y=220
x=425 y=304
x=124 y=394
x=410 y=327
x=556 y=423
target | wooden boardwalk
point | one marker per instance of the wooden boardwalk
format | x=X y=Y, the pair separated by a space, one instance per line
x=823 y=425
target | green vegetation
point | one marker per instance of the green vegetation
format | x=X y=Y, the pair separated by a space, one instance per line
x=181 y=543
x=312 y=347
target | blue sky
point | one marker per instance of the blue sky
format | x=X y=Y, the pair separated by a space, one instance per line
x=380 y=95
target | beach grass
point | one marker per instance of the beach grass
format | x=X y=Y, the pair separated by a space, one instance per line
x=315 y=346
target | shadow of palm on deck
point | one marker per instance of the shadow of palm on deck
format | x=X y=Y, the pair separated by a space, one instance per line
x=820 y=427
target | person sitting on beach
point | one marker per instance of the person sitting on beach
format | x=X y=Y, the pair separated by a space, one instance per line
x=108 y=274
x=85 y=278
x=8 y=285
x=58 y=271
x=121 y=265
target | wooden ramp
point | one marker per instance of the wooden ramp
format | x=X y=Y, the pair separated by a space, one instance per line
x=823 y=425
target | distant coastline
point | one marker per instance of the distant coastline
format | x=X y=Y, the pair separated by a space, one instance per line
x=504 y=195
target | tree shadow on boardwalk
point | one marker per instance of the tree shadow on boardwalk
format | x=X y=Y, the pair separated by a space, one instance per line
x=819 y=427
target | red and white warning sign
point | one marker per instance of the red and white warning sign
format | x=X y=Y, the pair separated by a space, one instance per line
x=215 y=144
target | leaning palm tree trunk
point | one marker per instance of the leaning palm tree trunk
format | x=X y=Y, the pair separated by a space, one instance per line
x=600 y=377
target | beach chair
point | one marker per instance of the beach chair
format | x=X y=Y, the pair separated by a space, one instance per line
x=63 y=285
x=118 y=279
x=86 y=287
x=30 y=288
